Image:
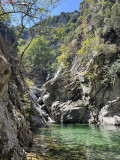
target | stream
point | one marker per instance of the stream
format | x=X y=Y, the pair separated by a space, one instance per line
x=75 y=142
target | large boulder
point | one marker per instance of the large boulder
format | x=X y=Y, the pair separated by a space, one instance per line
x=69 y=111
x=110 y=113
x=66 y=98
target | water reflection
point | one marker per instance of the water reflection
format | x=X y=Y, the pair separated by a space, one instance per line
x=76 y=141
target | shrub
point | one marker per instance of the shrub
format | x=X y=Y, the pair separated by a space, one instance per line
x=107 y=48
x=66 y=54
x=99 y=32
x=114 y=69
x=63 y=58
x=86 y=12
x=26 y=106
x=78 y=31
x=114 y=21
x=29 y=83
x=89 y=45
x=98 y=20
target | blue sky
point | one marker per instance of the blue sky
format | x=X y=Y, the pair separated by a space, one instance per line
x=67 y=6
x=64 y=6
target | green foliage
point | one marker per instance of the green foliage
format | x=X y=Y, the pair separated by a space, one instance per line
x=89 y=45
x=112 y=71
x=113 y=21
x=54 y=33
x=107 y=9
x=73 y=18
x=21 y=42
x=55 y=66
x=66 y=55
x=90 y=1
x=59 y=26
x=39 y=56
x=4 y=18
x=29 y=83
x=26 y=106
x=63 y=58
x=115 y=15
x=86 y=12
x=78 y=33
x=69 y=37
x=92 y=72
x=107 y=48
x=99 y=32
x=97 y=20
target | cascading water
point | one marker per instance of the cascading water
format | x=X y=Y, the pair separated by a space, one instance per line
x=50 y=120
x=58 y=71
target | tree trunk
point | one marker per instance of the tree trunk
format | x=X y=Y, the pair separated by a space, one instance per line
x=2 y=43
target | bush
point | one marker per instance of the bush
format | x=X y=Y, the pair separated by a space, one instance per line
x=86 y=12
x=89 y=45
x=99 y=32
x=26 y=106
x=78 y=31
x=66 y=55
x=29 y=83
x=114 y=69
x=63 y=58
x=114 y=21
x=107 y=48
x=98 y=20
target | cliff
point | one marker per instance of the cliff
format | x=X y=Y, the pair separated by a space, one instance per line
x=88 y=89
x=17 y=108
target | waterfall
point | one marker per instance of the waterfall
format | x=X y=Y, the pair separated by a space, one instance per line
x=50 y=120
x=58 y=71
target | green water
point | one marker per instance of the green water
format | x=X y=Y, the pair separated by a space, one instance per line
x=77 y=142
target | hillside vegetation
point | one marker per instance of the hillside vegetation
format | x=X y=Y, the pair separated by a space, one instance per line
x=47 y=45
x=83 y=47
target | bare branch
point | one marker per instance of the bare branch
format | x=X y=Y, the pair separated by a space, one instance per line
x=32 y=11
x=16 y=39
x=10 y=12
x=2 y=8
x=21 y=58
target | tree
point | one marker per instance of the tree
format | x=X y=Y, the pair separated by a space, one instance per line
x=88 y=46
x=39 y=57
x=28 y=16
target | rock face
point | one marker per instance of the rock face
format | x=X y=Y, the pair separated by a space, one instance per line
x=15 y=136
x=89 y=90
x=110 y=113
x=71 y=97
x=65 y=100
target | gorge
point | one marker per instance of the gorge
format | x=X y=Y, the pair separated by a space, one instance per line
x=82 y=99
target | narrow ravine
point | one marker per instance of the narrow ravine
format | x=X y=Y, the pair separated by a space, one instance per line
x=60 y=80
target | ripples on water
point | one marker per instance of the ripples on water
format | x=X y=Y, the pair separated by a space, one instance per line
x=76 y=142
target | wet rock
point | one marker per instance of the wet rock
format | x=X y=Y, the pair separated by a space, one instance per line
x=40 y=101
x=37 y=116
x=36 y=122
